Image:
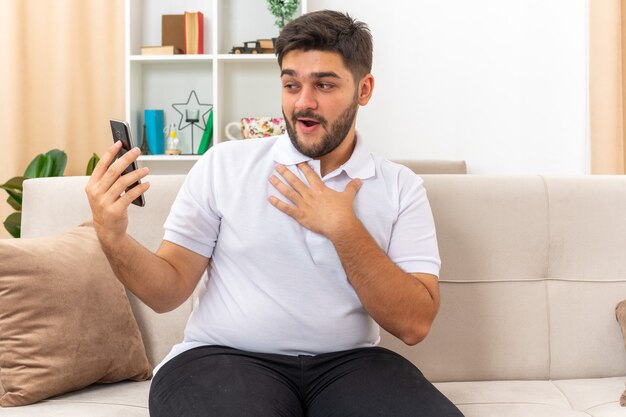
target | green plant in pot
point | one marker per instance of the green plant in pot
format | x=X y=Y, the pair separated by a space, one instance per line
x=283 y=11
x=50 y=164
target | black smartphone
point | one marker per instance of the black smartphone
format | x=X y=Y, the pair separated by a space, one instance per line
x=121 y=132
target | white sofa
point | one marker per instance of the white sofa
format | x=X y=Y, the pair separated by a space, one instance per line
x=533 y=268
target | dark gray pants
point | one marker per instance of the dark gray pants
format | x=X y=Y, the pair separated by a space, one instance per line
x=216 y=381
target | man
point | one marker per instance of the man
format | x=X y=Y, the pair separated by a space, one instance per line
x=311 y=243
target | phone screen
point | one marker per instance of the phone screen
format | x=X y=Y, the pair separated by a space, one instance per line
x=121 y=132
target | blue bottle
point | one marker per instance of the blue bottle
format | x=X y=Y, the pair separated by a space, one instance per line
x=154 y=120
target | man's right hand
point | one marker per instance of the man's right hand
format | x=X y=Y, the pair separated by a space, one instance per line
x=104 y=192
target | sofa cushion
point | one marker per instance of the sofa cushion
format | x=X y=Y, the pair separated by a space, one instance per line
x=65 y=319
x=595 y=396
x=586 y=335
x=571 y=398
x=122 y=399
x=492 y=323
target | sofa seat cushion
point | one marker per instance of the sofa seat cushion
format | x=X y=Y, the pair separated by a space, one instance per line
x=597 y=397
x=122 y=399
x=571 y=398
x=565 y=398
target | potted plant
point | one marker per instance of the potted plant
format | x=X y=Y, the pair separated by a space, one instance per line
x=50 y=164
x=283 y=11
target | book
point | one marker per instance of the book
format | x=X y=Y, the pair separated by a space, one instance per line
x=173 y=30
x=161 y=50
x=194 y=33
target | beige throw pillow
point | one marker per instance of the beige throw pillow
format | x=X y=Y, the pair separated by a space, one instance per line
x=65 y=320
x=620 y=313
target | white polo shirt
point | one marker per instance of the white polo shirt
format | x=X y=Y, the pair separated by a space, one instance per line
x=275 y=286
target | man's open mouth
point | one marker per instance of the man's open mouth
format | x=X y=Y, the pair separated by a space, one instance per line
x=308 y=122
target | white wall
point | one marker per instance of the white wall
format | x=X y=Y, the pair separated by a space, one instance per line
x=501 y=84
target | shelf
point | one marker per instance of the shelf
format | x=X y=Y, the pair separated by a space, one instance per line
x=247 y=57
x=236 y=85
x=171 y=58
x=204 y=58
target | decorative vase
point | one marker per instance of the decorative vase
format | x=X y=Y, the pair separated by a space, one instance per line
x=154 y=120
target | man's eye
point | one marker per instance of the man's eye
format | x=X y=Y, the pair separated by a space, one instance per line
x=325 y=86
x=290 y=86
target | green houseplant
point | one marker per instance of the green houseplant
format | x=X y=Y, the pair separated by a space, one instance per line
x=50 y=164
x=283 y=11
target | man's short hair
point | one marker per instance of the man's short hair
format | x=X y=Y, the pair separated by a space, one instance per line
x=328 y=30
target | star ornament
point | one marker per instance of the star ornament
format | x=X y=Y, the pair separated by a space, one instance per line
x=192 y=104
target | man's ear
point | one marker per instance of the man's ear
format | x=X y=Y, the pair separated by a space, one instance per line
x=366 y=88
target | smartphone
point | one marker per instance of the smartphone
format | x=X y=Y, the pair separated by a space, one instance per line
x=121 y=132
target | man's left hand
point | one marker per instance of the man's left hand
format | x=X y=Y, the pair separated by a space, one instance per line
x=316 y=207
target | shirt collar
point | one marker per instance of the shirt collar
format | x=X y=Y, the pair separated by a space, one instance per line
x=360 y=165
x=284 y=153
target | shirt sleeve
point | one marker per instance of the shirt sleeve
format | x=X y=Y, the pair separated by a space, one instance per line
x=194 y=221
x=413 y=245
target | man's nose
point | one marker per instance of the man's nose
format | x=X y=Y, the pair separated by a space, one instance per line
x=306 y=99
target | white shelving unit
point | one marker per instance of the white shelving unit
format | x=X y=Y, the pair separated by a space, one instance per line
x=236 y=85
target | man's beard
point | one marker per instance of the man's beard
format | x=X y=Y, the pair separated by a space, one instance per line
x=331 y=139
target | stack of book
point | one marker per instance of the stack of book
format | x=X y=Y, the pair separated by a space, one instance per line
x=180 y=34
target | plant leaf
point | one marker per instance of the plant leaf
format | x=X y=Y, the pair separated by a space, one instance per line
x=15 y=198
x=13 y=224
x=15 y=202
x=14 y=188
x=35 y=167
x=58 y=162
x=46 y=169
x=93 y=161
x=15 y=183
x=50 y=164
